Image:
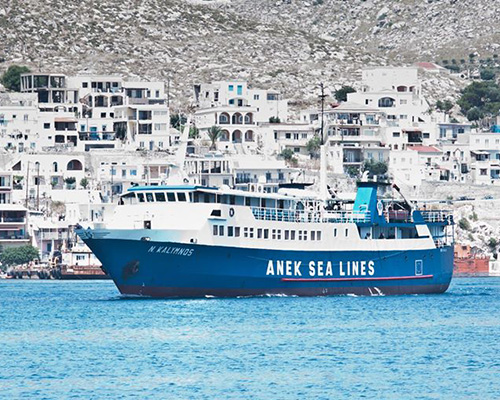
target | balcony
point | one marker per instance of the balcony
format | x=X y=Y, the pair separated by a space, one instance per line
x=96 y=136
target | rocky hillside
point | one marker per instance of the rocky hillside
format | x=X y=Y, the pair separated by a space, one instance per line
x=288 y=44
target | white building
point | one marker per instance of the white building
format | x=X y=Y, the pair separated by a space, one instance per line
x=19 y=128
x=397 y=93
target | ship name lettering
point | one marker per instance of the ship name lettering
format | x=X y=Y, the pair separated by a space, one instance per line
x=357 y=268
x=284 y=268
x=171 y=250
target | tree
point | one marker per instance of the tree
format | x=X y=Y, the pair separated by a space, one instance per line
x=84 y=183
x=274 y=120
x=444 y=106
x=480 y=99
x=19 y=255
x=11 y=79
x=313 y=146
x=214 y=133
x=375 y=167
x=287 y=154
x=194 y=132
x=487 y=74
x=178 y=121
x=475 y=114
x=341 y=94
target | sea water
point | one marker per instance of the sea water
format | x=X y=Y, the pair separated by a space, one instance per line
x=82 y=340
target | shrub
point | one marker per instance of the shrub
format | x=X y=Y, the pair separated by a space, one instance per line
x=464 y=224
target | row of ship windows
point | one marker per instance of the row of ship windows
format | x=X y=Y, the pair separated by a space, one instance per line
x=265 y=233
x=160 y=197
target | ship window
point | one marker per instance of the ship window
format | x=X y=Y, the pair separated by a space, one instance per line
x=300 y=235
x=232 y=199
x=237 y=231
x=334 y=232
x=313 y=235
x=278 y=234
x=247 y=201
x=266 y=233
x=318 y=235
x=149 y=197
x=221 y=230
x=346 y=232
x=191 y=197
x=140 y=196
x=181 y=196
x=206 y=198
x=251 y=233
x=160 y=196
x=259 y=233
x=147 y=224
x=230 y=231
x=305 y=236
x=171 y=196
x=274 y=234
x=287 y=235
x=216 y=230
x=245 y=232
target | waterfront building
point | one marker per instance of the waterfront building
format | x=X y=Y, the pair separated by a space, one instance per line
x=248 y=173
x=13 y=217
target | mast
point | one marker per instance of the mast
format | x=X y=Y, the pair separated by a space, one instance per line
x=323 y=190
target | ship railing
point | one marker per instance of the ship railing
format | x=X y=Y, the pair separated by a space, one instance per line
x=437 y=216
x=275 y=214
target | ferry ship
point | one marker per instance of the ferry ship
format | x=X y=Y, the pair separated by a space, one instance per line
x=194 y=241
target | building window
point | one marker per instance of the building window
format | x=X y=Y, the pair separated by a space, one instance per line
x=231 y=88
x=396 y=134
x=85 y=84
x=46 y=125
x=256 y=97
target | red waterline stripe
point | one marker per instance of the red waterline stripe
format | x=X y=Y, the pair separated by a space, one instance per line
x=389 y=278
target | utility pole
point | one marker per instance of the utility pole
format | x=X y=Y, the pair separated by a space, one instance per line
x=168 y=92
x=322 y=99
x=112 y=173
x=27 y=182
x=38 y=187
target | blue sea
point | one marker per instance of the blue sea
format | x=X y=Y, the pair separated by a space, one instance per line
x=82 y=340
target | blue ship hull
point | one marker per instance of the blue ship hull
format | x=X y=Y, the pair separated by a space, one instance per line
x=162 y=269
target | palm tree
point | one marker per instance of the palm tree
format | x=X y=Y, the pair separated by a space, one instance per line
x=214 y=133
